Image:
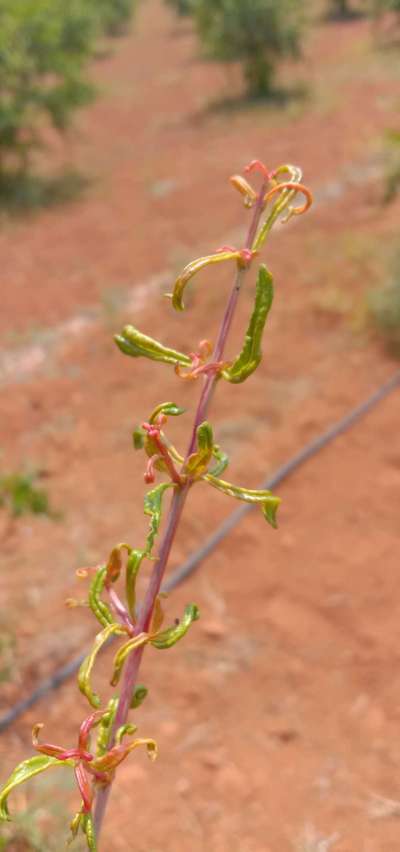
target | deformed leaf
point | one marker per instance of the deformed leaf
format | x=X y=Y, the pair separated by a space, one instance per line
x=85 y=671
x=168 y=638
x=140 y=693
x=132 y=342
x=191 y=269
x=126 y=730
x=89 y=831
x=198 y=462
x=250 y=356
x=138 y=438
x=98 y=607
x=170 y=409
x=105 y=725
x=153 y=508
x=133 y=564
x=222 y=461
x=109 y=761
x=123 y=653
x=23 y=772
x=268 y=503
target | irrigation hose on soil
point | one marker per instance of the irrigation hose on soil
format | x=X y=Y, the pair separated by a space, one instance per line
x=192 y=563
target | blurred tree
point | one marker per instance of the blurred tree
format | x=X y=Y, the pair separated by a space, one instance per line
x=340 y=8
x=113 y=15
x=182 y=7
x=256 y=32
x=44 y=46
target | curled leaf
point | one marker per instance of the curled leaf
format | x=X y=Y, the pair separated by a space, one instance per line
x=105 y=725
x=139 y=694
x=133 y=564
x=153 y=508
x=138 y=438
x=98 y=607
x=286 y=192
x=114 y=564
x=241 y=184
x=89 y=830
x=268 y=503
x=74 y=826
x=169 y=409
x=168 y=638
x=123 y=653
x=157 y=617
x=85 y=671
x=132 y=342
x=24 y=772
x=109 y=761
x=222 y=461
x=192 y=268
x=198 y=462
x=124 y=731
x=250 y=356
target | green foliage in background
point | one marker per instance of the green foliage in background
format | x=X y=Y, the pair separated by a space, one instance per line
x=384 y=309
x=392 y=166
x=182 y=7
x=256 y=32
x=44 y=46
x=113 y=15
x=21 y=496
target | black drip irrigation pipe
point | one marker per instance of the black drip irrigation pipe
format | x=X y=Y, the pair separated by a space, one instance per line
x=192 y=563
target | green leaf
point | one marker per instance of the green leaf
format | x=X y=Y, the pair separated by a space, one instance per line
x=105 y=725
x=168 y=638
x=153 y=508
x=100 y=609
x=294 y=175
x=138 y=438
x=139 y=695
x=192 y=268
x=251 y=354
x=123 y=653
x=198 y=462
x=23 y=772
x=222 y=461
x=132 y=342
x=133 y=564
x=86 y=668
x=269 y=504
x=89 y=830
x=170 y=409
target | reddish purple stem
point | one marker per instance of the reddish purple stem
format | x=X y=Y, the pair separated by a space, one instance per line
x=175 y=512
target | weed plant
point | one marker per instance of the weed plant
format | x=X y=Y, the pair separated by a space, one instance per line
x=107 y=735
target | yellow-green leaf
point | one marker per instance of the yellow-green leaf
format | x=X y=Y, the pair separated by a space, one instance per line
x=85 y=671
x=123 y=653
x=268 y=503
x=191 y=269
x=168 y=638
x=98 y=607
x=198 y=462
x=132 y=342
x=153 y=508
x=23 y=772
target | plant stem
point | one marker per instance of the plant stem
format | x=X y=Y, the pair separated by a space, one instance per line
x=175 y=512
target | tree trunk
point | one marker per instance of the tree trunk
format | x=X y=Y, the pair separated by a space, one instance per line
x=341 y=8
x=259 y=74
